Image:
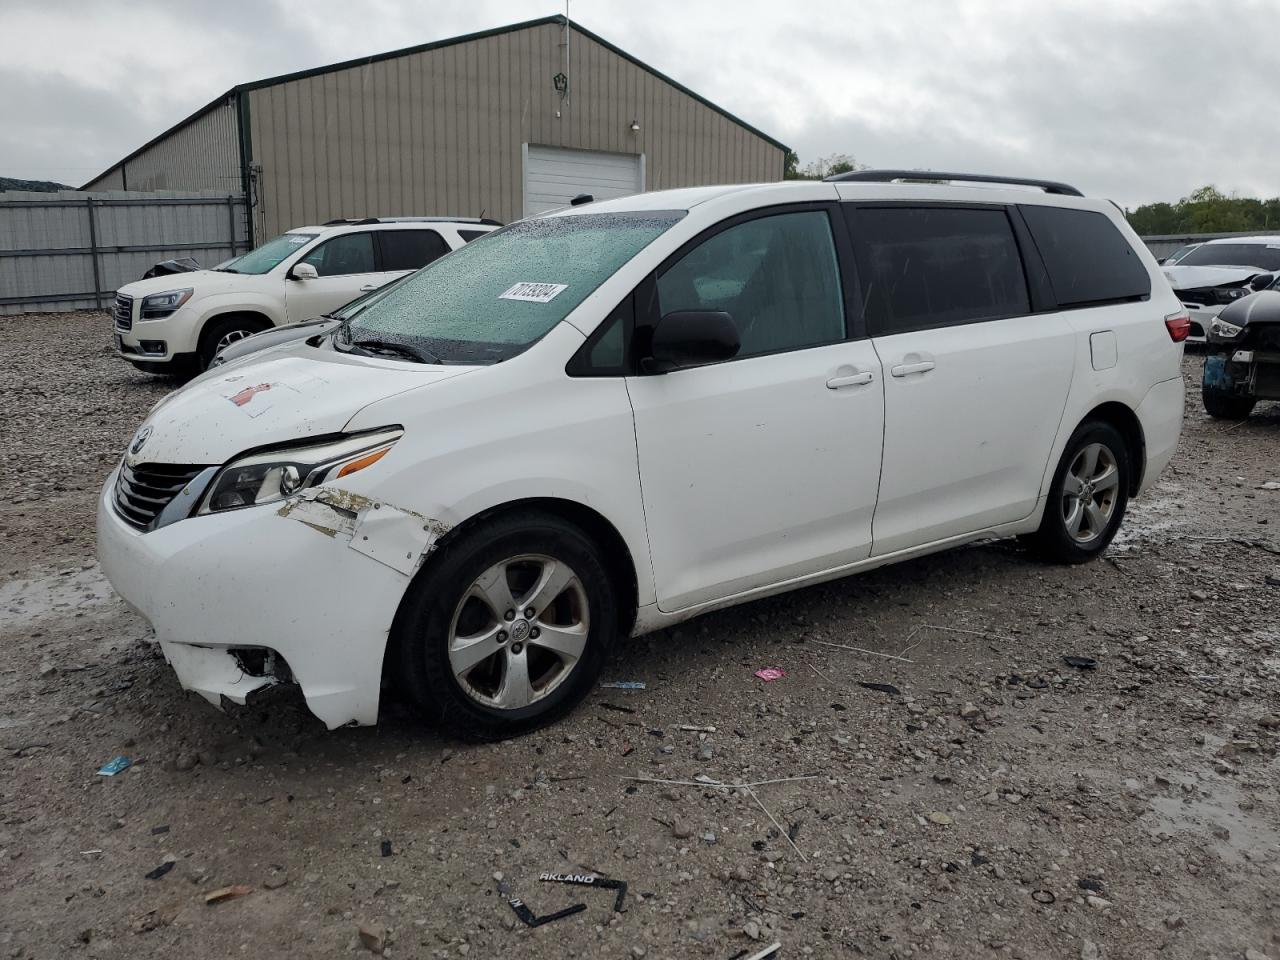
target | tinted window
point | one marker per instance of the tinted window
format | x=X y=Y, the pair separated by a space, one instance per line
x=469 y=235
x=349 y=253
x=776 y=276
x=410 y=249
x=1261 y=256
x=1088 y=259
x=931 y=267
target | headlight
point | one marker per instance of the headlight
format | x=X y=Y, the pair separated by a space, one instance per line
x=1230 y=294
x=275 y=474
x=1226 y=331
x=157 y=306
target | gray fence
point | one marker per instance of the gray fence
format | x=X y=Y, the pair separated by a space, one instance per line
x=71 y=250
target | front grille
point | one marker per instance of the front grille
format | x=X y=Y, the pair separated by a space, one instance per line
x=1202 y=297
x=122 y=312
x=142 y=492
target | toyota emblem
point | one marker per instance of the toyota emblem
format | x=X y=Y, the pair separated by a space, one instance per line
x=140 y=440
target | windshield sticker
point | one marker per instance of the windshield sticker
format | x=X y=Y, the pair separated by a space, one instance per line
x=298 y=241
x=534 y=292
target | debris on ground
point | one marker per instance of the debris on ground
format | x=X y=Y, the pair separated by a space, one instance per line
x=624 y=685
x=1080 y=663
x=591 y=880
x=227 y=893
x=114 y=765
x=386 y=848
x=160 y=871
x=881 y=687
x=373 y=937
x=771 y=673
x=528 y=917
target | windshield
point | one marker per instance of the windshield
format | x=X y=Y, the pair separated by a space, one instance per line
x=269 y=254
x=1180 y=253
x=489 y=301
x=1261 y=256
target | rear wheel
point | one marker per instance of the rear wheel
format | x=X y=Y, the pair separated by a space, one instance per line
x=1226 y=406
x=1088 y=496
x=222 y=332
x=508 y=628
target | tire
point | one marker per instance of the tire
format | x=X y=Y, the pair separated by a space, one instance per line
x=220 y=331
x=1070 y=532
x=1226 y=406
x=464 y=685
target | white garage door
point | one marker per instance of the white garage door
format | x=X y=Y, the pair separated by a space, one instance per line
x=553 y=176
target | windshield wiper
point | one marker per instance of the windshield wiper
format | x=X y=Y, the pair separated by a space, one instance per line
x=395 y=349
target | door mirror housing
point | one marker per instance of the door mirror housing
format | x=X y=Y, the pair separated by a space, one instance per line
x=303 y=271
x=1262 y=281
x=691 y=338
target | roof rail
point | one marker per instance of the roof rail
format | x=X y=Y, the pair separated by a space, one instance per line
x=354 y=221
x=932 y=176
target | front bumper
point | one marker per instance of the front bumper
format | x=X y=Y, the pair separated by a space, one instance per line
x=155 y=341
x=1201 y=317
x=255 y=578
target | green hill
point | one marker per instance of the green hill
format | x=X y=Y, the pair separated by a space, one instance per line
x=39 y=186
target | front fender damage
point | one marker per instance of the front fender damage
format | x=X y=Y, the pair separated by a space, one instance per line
x=398 y=538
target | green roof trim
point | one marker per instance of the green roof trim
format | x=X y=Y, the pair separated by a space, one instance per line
x=556 y=19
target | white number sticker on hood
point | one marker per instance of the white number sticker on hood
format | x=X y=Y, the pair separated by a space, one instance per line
x=534 y=292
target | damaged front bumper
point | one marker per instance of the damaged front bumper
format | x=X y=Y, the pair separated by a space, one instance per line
x=314 y=582
x=1244 y=359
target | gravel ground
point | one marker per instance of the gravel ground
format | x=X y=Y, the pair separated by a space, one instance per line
x=1001 y=804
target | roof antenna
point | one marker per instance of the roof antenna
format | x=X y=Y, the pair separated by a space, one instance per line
x=580 y=199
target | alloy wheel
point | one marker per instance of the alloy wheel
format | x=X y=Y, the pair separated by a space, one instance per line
x=230 y=337
x=1090 y=492
x=519 y=631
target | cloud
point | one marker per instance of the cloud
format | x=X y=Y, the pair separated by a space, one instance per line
x=1135 y=102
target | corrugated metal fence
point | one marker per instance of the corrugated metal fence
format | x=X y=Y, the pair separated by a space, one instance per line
x=71 y=250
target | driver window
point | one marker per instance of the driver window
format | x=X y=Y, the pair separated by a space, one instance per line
x=777 y=276
x=349 y=253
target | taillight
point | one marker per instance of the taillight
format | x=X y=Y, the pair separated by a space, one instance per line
x=1179 y=326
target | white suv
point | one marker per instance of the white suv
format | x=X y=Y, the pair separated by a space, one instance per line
x=611 y=418
x=1217 y=273
x=177 y=323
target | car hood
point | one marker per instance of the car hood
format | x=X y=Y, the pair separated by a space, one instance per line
x=283 y=395
x=1258 y=308
x=1191 y=278
x=201 y=281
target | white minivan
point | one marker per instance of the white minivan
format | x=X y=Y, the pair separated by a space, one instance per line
x=613 y=417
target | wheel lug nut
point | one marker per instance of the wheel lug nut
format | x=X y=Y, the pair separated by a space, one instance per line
x=529 y=613
x=533 y=634
x=509 y=615
x=517 y=647
x=502 y=636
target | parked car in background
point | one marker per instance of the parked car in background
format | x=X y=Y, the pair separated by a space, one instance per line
x=1178 y=254
x=177 y=323
x=1242 y=355
x=1220 y=272
x=613 y=417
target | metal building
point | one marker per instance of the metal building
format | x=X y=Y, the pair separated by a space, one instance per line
x=502 y=123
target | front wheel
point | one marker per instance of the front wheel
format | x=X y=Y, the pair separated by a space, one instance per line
x=508 y=628
x=221 y=333
x=1088 y=497
x=1226 y=406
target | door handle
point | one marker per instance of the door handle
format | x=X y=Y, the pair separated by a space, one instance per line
x=853 y=380
x=368 y=287
x=906 y=369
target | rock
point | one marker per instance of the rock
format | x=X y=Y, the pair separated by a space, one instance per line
x=1089 y=951
x=741 y=874
x=681 y=830
x=47 y=669
x=1252 y=954
x=831 y=876
x=372 y=937
x=970 y=711
x=706 y=752
x=185 y=762
x=275 y=881
x=85 y=935
x=1270 y=722
x=1199 y=595
x=941 y=819
x=751 y=929
x=1098 y=903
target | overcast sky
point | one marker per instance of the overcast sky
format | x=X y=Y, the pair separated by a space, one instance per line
x=1136 y=101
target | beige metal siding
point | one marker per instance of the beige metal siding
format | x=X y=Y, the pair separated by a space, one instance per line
x=202 y=155
x=439 y=132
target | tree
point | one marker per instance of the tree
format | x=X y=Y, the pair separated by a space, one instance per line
x=1206 y=210
x=822 y=167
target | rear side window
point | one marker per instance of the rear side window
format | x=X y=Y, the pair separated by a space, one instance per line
x=1088 y=259
x=777 y=276
x=469 y=235
x=410 y=249
x=937 y=266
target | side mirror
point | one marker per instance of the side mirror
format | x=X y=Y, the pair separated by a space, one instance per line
x=1262 y=281
x=691 y=338
x=303 y=271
